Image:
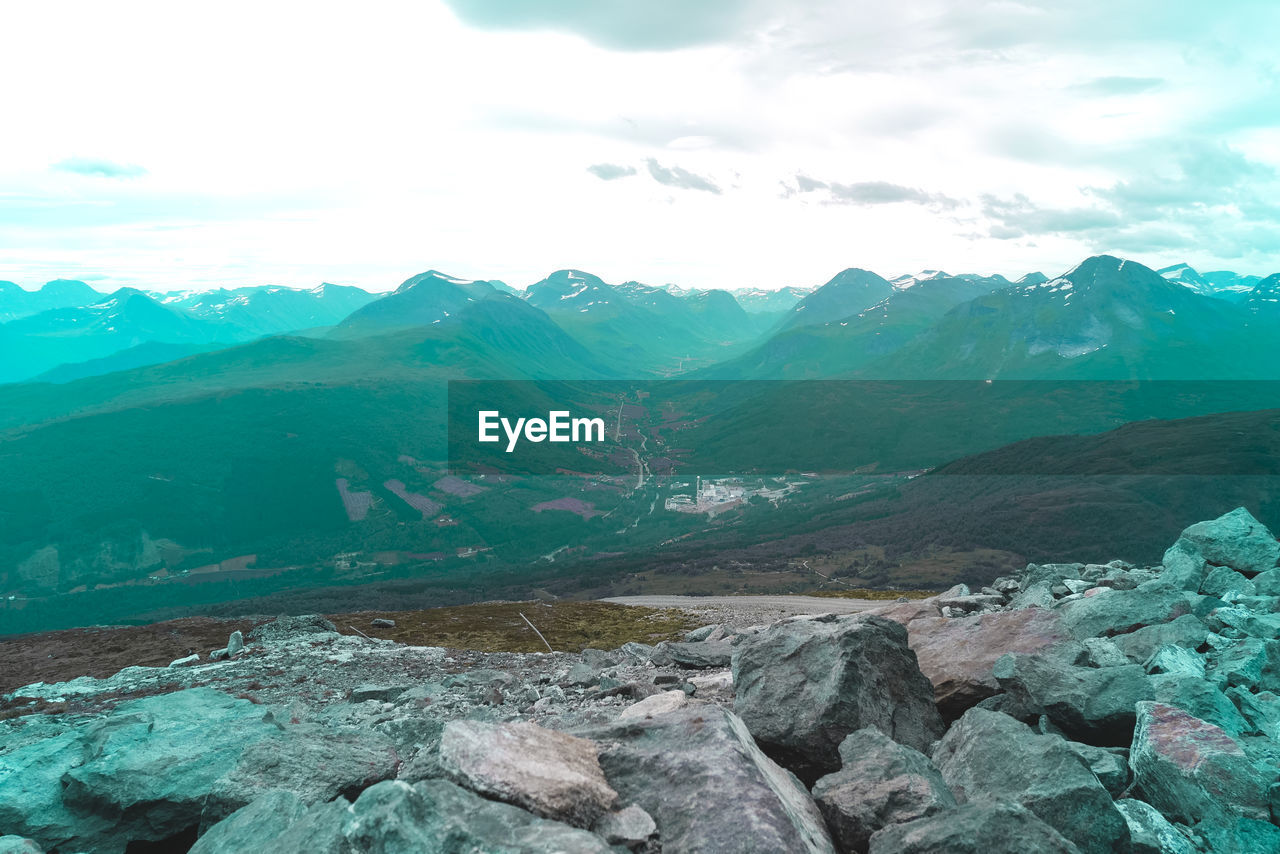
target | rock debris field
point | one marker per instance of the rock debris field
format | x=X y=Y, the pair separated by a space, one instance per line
x=1074 y=708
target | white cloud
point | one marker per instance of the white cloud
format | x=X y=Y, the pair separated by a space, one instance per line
x=299 y=142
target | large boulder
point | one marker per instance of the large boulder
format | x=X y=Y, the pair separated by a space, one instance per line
x=805 y=684
x=986 y=828
x=1236 y=540
x=155 y=768
x=881 y=783
x=1112 y=612
x=1093 y=704
x=393 y=817
x=957 y=655
x=698 y=772
x=988 y=756
x=141 y=773
x=549 y=773
x=1193 y=771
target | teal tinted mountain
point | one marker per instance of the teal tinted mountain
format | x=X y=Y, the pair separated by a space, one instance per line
x=68 y=330
x=425 y=299
x=1223 y=284
x=759 y=301
x=256 y=311
x=1106 y=319
x=643 y=329
x=851 y=343
x=125 y=319
x=16 y=302
x=848 y=292
x=1264 y=299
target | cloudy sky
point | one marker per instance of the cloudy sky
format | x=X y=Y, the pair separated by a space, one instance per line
x=718 y=143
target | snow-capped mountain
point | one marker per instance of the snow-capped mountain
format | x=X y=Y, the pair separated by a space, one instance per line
x=1223 y=284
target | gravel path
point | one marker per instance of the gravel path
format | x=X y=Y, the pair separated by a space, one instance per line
x=742 y=611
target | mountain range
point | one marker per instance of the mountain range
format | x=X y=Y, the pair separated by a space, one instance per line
x=275 y=430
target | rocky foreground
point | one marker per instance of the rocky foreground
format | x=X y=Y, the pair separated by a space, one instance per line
x=1077 y=708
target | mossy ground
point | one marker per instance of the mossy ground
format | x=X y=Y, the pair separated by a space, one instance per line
x=498 y=627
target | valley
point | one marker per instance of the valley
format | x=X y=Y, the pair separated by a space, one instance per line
x=321 y=464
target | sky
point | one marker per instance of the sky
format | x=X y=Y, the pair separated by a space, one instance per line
x=722 y=143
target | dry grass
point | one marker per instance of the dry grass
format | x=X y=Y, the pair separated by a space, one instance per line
x=497 y=627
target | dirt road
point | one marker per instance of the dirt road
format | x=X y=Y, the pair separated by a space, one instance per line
x=739 y=611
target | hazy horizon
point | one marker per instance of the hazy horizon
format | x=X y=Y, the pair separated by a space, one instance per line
x=100 y=283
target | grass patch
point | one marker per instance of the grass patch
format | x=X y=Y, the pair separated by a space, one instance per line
x=878 y=595
x=567 y=626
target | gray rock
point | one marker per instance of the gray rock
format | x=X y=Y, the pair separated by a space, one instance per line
x=971 y=603
x=1109 y=764
x=235 y=644
x=1089 y=704
x=1244 y=622
x=141 y=773
x=978 y=828
x=989 y=756
x=805 y=684
x=1100 y=652
x=1115 y=612
x=1236 y=540
x=380 y=693
x=1194 y=695
x=600 y=659
x=1250 y=662
x=1261 y=710
x=1176 y=660
x=288 y=628
x=1186 y=631
x=265 y=818
x=1006 y=585
x=1036 y=595
x=186 y=661
x=698 y=772
x=433 y=816
x=636 y=650
x=1183 y=567
x=957 y=655
x=582 y=675
x=218 y=654
x=1151 y=832
x=1192 y=771
x=382 y=623
x=1223 y=580
x=1267 y=583
x=879 y=784
x=656 y=704
x=702 y=655
x=631 y=827
x=548 y=773
x=312 y=762
x=703 y=633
